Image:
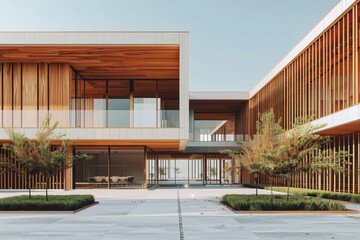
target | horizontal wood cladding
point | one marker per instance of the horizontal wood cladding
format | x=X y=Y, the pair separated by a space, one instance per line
x=104 y=61
x=29 y=87
x=321 y=80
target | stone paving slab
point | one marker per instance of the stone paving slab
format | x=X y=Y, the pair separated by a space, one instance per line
x=152 y=214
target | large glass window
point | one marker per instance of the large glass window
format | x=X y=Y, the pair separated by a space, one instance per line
x=214 y=127
x=124 y=103
x=118 y=103
x=117 y=168
x=168 y=95
x=126 y=167
x=180 y=169
x=95 y=103
x=77 y=103
x=92 y=173
x=145 y=104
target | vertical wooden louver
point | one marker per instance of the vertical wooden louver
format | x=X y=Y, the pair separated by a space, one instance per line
x=321 y=80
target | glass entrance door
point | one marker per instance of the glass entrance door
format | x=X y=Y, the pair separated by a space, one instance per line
x=180 y=169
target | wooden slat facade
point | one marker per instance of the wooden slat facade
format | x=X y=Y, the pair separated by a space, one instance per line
x=15 y=179
x=25 y=89
x=321 y=80
x=29 y=87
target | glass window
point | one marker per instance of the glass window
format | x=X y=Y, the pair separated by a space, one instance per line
x=214 y=127
x=118 y=103
x=168 y=97
x=92 y=173
x=126 y=167
x=77 y=101
x=95 y=103
x=145 y=103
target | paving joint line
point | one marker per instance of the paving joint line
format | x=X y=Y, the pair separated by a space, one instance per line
x=181 y=230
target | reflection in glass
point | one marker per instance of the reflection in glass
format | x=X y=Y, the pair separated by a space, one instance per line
x=126 y=167
x=118 y=103
x=168 y=103
x=124 y=103
x=95 y=103
x=145 y=103
x=92 y=173
x=214 y=130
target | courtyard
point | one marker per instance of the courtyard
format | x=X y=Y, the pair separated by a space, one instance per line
x=153 y=214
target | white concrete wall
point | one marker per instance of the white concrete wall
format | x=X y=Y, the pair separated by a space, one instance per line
x=219 y=95
x=339 y=118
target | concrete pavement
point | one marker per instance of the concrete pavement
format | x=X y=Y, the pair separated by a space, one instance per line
x=152 y=214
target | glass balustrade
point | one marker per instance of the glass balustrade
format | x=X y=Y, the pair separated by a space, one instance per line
x=216 y=131
x=139 y=118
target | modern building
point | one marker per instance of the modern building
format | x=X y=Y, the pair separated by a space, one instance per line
x=124 y=97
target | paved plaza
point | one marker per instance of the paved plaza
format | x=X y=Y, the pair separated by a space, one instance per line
x=153 y=214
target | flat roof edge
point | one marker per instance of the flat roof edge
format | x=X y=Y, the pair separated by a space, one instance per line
x=75 y=31
x=324 y=23
x=219 y=95
x=93 y=37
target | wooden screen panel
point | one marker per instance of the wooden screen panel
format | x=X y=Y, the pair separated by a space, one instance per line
x=43 y=92
x=7 y=95
x=30 y=94
x=16 y=76
x=321 y=80
x=1 y=93
x=13 y=178
x=59 y=93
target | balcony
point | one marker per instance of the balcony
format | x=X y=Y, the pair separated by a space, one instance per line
x=91 y=118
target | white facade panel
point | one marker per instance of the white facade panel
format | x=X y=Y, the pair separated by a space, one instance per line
x=339 y=118
x=219 y=95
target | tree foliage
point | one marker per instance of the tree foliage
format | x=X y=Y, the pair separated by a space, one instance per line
x=275 y=152
x=41 y=155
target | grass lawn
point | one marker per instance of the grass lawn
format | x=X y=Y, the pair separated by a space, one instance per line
x=347 y=197
x=279 y=203
x=39 y=203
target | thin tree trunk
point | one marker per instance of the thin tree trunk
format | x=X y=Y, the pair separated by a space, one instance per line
x=256 y=184
x=241 y=176
x=46 y=189
x=288 y=189
x=271 y=183
x=28 y=185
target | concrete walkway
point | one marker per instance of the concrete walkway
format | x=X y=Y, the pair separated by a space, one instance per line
x=152 y=214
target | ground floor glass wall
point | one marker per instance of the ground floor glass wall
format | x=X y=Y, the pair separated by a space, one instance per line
x=110 y=167
x=193 y=169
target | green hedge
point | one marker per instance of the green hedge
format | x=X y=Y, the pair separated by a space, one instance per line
x=348 y=197
x=39 y=203
x=279 y=203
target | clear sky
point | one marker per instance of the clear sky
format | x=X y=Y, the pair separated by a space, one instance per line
x=233 y=43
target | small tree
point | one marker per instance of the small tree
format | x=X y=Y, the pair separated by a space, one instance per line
x=24 y=151
x=52 y=158
x=301 y=141
x=261 y=155
x=297 y=143
x=39 y=156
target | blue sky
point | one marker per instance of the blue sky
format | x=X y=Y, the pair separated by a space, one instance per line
x=233 y=43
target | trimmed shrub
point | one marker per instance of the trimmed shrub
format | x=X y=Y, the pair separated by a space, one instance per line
x=347 y=197
x=279 y=203
x=39 y=203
